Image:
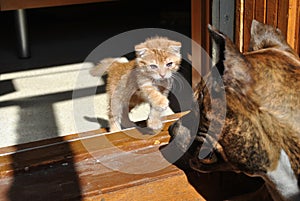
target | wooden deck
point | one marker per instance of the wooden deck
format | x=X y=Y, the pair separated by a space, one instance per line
x=66 y=168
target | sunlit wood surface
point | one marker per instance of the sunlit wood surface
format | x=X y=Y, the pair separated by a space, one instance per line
x=63 y=169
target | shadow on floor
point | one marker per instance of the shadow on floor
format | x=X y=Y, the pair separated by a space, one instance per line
x=45 y=182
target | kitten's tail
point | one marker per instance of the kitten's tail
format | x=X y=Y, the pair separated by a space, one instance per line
x=101 y=68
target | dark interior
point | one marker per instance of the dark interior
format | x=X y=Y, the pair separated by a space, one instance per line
x=67 y=34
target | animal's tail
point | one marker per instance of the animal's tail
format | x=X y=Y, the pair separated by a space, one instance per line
x=101 y=68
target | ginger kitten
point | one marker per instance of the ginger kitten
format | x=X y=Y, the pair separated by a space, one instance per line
x=148 y=78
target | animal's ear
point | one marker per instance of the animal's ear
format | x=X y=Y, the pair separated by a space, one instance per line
x=258 y=28
x=255 y=27
x=259 y=32
x=219 y=39
x=140 y=49
x=217 y=36
x=266 y=36
x=140 y=52
x=175 y=47
x=231 y=61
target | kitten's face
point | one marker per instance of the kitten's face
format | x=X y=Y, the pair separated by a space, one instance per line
x=159 y=58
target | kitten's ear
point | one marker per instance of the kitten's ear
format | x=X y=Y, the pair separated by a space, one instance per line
x=175 y=47
x=140 y=50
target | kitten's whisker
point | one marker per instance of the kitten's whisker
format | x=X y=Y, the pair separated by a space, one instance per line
x=178 y=83
x=184 y=70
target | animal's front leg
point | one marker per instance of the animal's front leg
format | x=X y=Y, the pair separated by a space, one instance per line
x=154 y=120
x=156 y=99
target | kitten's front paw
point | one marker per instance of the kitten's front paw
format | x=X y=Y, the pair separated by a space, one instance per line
x=161 y=103
x=114 y=129
x=155 y=124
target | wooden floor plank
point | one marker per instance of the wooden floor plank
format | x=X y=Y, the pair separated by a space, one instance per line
x=70 y=168
x=75 y=168
x=172 y=188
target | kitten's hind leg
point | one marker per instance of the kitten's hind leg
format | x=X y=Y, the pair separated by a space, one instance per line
x=115 y=115
x=125 y=120
x=154 y=121
x=119 y=117
x=114 y=124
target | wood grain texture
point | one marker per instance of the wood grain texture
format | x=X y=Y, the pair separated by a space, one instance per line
x=249 y=13
x=293 y=36
x=282 y=16
x=200 y=18
x=238 y=18
x=175 y=187
x=52 y=150
x=260 y=10
x=66 y=168
x=196 y=37
x=272 y=12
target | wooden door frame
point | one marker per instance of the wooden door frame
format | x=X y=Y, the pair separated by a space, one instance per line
x=200 y=18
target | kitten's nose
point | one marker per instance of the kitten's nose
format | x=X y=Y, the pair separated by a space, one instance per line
x=162 y=75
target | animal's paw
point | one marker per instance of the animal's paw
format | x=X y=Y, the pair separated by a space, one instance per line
x=114 y=127
x=154 y=124
x=161 y=103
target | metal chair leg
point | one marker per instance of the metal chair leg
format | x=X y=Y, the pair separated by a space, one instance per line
x=22 y=34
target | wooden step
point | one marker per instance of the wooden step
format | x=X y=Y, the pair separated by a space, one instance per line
x=67 y=168
x=98 y=165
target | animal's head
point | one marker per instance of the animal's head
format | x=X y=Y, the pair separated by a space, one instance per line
x=206 y=115
x=158 y=57
x=232 y=70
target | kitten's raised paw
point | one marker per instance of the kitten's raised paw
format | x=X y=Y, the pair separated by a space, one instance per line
x=161 y=103
x=154 y=124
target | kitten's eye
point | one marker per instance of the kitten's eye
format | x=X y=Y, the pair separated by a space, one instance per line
x=169 y=64
x=153 y=66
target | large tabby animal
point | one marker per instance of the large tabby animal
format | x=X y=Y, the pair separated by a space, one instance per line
x=147 y=78
x=261 y=131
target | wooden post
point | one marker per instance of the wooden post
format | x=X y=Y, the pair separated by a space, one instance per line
x=294 y=25
x=201 y=17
